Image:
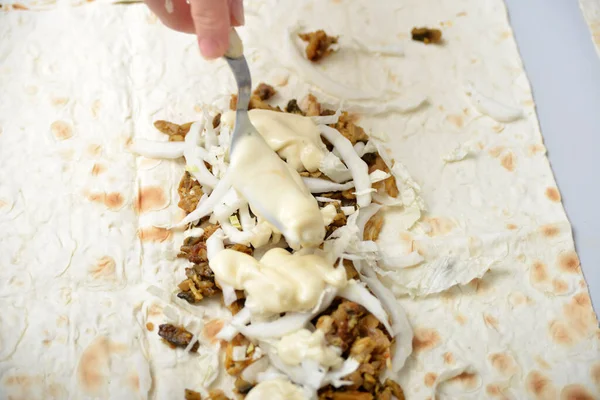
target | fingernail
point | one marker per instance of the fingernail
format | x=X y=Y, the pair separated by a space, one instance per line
x=210 y=48
x=237 y=11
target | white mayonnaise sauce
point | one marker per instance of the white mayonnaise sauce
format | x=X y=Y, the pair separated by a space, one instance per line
x=276 y=192
x=303 y=344
x=294 y=137
x=280 y=281
x=329 y=212
x=277 y=389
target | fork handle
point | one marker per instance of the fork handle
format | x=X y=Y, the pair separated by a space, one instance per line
x=235 y=49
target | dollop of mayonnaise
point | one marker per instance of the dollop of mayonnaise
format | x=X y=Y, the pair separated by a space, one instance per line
x=280 y=281
x=275 y=192
x=302 y=344
x=277 y=389
x=294 y=137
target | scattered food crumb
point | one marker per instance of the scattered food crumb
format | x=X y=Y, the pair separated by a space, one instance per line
x=427 y=35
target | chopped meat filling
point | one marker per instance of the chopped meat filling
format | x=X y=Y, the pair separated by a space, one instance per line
x=426 y=35
x=175 y=132
x=235 y=368
x=293 y=107
x=190 y=193
x=264 y=91
x=192 y=395
x=350 y=130
x=177 y=336
x=217 y=394
x=311 y=106
x=361 y=336
x=319 y=44
x=338 y=221
x=375 y=162
x=255 y=103
x=200 y=283
x=373 y=227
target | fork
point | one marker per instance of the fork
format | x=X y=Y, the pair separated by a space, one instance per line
x=237 y=62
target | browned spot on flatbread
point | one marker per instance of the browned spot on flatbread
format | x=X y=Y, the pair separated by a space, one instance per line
x=94 y=150
x=133 y=381
x=576 y=392
x=480 y=285
x=490 y=321
x=517 y=299
x=568 y=261
x=155 y=310
x=448 y=358
x=494 y=390
x=539 y=386
x=96 y=105
x=461 y=319
x=511 y=227
x=150 y=198
x=462 y=14
x=154 y=234
x=504 y=363
x=538 y=273
x=439 y=225
x=508 y=161
x=542 y=363
x=150 y=326
x=429 y=379
x=113 y=200
x=559 y=286
x=559 y=333
x=93 y=368
x=425 y=339
x=212 y=328
x=505 y=35
x=496 y=151
x=98 y=169
x=549 y=230
x=580 y=314
x=536 y=149
x=456 y=120
x=59 y=101
x=467 y=379
x=104 y=268
x=62 y=320
x=61 y=130
x=553 y=194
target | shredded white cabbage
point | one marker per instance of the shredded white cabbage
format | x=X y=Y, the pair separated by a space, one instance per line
x=210 y=135
x=335 y=377
x=214 y=244
x=240 y=319
x=195 y=155
x=156 y=149
x=329 y=119
x=334 y=168
x=348 y=210
x=404 y=333
x=359 y=294
x=316 y=185
x=357 y=167
x=239 y=353
x=252 y=371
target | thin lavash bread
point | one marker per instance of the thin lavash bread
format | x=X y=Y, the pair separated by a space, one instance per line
x=499 y=305
x=591 y=13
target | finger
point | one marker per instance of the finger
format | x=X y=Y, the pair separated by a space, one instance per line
x=211 y=20
x=236 y=9
x=179 y=19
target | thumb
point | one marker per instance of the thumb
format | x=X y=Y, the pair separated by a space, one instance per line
x=211 y=22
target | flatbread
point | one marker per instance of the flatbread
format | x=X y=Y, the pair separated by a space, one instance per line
x=81 y=217
x=591 y=13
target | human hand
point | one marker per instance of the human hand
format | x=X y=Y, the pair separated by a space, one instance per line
x=210 y=20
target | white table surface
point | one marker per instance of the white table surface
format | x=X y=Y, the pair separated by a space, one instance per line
x=564 y=70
